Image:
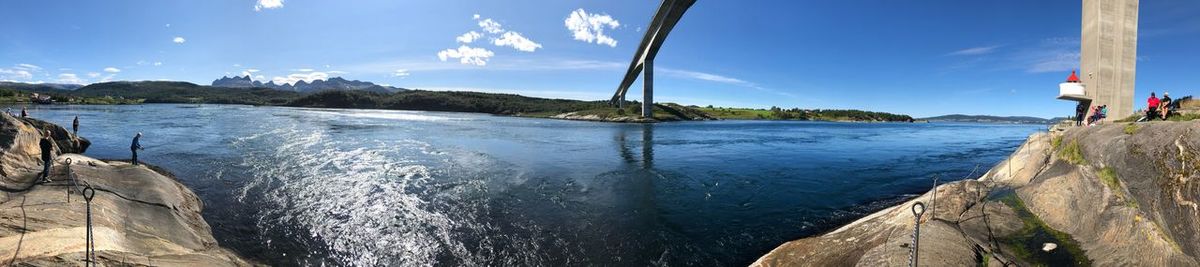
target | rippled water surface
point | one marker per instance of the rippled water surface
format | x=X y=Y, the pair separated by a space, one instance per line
x=289 y=186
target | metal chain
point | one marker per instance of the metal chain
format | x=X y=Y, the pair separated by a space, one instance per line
x=88 y=193
x=70 y=178
x=90 y=250
x=917 y=209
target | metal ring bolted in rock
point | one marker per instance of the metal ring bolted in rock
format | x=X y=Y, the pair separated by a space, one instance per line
x=88 y=193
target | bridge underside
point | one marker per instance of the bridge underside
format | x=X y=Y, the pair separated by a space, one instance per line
x=668 y=14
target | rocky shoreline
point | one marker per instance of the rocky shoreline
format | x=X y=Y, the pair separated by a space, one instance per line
x=139 y=216
x=1112 y=195
x=577 y=117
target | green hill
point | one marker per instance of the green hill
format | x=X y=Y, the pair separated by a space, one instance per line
x=126 y=92
x=776 y=113
x=508 y=104
x=184 y=92
x=991 y=119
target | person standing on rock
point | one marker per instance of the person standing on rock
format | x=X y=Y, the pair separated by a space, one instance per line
x=75 y=126
x=1080 y=112
x=24 y=113
x=47 y=144
x=134 y=147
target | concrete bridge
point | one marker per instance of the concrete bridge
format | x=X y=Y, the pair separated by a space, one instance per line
x=669 y=13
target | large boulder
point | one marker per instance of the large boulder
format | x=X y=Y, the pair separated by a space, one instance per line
x=1112 y=195
x=955 y=231
x=1130 y=195
x=140 y=216
x=64 y=140
x=19 y=150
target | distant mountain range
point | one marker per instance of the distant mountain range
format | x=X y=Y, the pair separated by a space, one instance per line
x=331 y=84
x=992 y=119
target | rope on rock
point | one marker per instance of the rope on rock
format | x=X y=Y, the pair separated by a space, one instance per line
x=933 y=203
x=917 y=209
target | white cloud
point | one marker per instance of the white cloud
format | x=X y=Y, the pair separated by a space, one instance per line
x=249 y=72
x=490 y=26
x=93 y=74
x=580 y=94
x=168 y=25
x=515 y=40
x=178 y=40
x=268 y=4
x=517 y=64
x=696 y=75
x=1052 y=55
x=400 y=73
x=303 y=70
x=704 y=76
x=112 y=70
x=69 y=78
x=467 y=55
x=590 y=27
x=468 y=37
x=11 y=74
x=336 y=71
x=29 y=67
x=1056 y=62
x=296 y=77
x=156 y=63
x=974 y=51
x=20 y=72
x=491 y=29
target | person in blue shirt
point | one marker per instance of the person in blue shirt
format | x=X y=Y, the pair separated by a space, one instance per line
x=1103 y=112
x=134 y=147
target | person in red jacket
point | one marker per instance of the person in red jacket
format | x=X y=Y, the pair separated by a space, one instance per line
x=1152 y=106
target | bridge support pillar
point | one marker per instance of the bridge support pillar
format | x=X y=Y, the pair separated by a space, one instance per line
x=648 y=89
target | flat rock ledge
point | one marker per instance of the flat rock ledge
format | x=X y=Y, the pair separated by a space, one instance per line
x=1113 y=195
x=592 y=117
x=139 y=217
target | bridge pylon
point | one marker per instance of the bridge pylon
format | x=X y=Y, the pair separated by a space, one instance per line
x=668 y=14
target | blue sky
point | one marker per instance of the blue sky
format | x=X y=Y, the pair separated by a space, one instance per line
x=922 y=58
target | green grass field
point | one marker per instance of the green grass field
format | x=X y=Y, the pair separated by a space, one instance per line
x=800 y=114
x=737 y=113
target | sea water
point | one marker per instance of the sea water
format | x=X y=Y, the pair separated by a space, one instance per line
x=297 y=186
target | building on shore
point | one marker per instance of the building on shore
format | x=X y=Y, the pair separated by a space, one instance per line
x=1107 y=57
